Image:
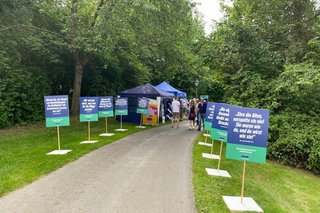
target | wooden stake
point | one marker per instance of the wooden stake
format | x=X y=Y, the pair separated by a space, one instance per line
x=89 y=130
x=212 y=142
x=220 y=155
x=141 y=120
x=58 y=131
x=206 y=139
x=106 y=119
x=243 y=176
x=120 y=121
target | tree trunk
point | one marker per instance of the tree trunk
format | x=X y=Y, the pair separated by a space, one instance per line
x=80 y=61
x=80 y=64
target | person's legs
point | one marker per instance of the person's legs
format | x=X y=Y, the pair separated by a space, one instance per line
x=200 y=120
x=178 y=119
x=197 y=119
x=172 y=120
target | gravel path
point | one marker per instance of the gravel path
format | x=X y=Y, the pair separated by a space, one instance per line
x=150 y=171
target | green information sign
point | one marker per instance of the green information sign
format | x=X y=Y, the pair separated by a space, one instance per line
x=207 y=126
x=58 y=121
x=88 y=117
x=247 y=153
x=219 y=135
x=105 y=114
x=204 y=97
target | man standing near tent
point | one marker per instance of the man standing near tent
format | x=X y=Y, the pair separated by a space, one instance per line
x=175 y=106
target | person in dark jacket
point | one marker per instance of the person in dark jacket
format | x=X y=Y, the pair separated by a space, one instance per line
x=202 y=112
x=192 y=115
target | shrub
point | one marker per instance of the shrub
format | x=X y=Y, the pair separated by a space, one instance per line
x=21 y=93
x=295 y=140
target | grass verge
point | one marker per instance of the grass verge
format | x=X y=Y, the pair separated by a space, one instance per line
x=276 y=188
x=23 y=156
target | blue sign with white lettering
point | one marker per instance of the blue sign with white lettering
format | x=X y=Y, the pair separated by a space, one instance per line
x=248 y=134
x=220 y=122
x=210 y=111
x=142 y=106
x=221 y=116
x=249 y=126
x=105 y=106
x=121 y=106
x=88 y=109
x=56 y=106
x=88 y=105
x=105 y=103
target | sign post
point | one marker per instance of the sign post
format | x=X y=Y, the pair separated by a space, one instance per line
x=247 y=141
x=220 y=132
x=88 y=113
x=121 y=108
x=142 y=108
x=57 y=114
x=207 y=123
x=106 y=110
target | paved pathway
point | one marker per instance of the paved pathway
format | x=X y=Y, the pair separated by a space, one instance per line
x=149 y=172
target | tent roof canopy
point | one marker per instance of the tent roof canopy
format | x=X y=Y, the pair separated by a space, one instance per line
x=168 y=88
x=146 y=90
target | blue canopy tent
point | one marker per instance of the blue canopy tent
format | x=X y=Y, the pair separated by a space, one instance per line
x=168 y=88
x=146 y=90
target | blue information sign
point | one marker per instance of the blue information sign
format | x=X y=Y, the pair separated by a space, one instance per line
x=88 y=108
x=220 y=122
x=121 y=106
x=56 y=110
x=142 y=107
x=248 y=134
x=105 y=106
x=209 y=115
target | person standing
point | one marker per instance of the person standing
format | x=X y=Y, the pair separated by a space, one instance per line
x=192 y=115
x=175 y=106
x=196 y=104
x=202 y=111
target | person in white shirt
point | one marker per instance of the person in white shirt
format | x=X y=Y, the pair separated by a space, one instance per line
x=175 y=106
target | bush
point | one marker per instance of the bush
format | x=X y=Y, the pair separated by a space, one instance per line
x=295 y=140
x=21 y=93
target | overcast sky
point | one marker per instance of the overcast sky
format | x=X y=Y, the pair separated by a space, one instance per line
x=210 y=9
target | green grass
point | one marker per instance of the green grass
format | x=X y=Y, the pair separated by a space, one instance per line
x=276 y=188
x=23 y=156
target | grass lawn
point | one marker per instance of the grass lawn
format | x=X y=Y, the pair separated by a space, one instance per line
x=23 y=156
x=276 y=188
